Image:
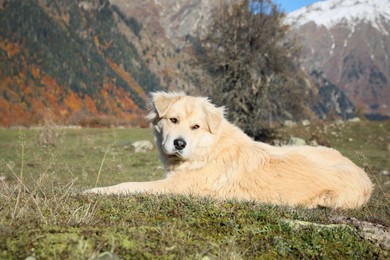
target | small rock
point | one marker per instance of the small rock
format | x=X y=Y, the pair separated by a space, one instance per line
x=30 y=258
x=289 y=123
x=384 y=173
x=142 y=146
x=305 y=122
x=3 y=178
x=119 y=167
x=350 y=139
x=313 y=143
x=354 y=120
x=376 y=233
x=296 y=141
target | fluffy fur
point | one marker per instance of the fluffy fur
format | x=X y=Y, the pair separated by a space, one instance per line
x=205 y=155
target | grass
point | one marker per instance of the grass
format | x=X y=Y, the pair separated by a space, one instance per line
x=43 y=214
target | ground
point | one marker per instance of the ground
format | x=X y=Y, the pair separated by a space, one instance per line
x=43 y=213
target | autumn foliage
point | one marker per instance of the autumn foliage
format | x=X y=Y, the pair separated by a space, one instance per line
x=30 y=95
x=71 y=63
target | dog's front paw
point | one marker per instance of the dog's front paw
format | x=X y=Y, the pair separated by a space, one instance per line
x=94 y=191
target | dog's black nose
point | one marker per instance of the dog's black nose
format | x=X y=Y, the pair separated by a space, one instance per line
x=179 y=144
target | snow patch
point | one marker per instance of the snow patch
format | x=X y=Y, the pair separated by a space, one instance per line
x=349 y=12
x=333 y=45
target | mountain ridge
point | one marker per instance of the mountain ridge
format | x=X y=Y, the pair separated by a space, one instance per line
x=350 y=50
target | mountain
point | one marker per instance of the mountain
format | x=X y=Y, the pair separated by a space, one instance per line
x=175 y=19
x=79 y=62
x=348 y=42
x=93 y=62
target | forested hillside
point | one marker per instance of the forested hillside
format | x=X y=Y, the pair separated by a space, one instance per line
x=70 y=61
x=93 y=62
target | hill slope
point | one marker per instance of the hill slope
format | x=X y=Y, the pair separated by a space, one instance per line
x=76 y=59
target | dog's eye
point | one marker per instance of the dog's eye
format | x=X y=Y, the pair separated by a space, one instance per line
x=173 y=120
x=194 y=127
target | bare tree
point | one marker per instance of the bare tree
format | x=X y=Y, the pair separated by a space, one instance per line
x=253 y=69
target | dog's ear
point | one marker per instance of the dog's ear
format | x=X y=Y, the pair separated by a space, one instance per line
x=162 y=101
x=214 y=117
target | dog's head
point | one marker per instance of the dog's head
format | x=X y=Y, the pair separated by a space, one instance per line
x=184 y=126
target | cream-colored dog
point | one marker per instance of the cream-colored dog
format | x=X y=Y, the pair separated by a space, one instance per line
x=205 y=155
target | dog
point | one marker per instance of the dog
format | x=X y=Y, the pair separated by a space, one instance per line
x=205 y=155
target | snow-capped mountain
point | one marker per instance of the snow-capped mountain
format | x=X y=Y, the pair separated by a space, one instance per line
x=349 y=42
x=350 y=12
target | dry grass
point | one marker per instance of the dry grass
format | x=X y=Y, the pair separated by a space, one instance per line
x=43 y=214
